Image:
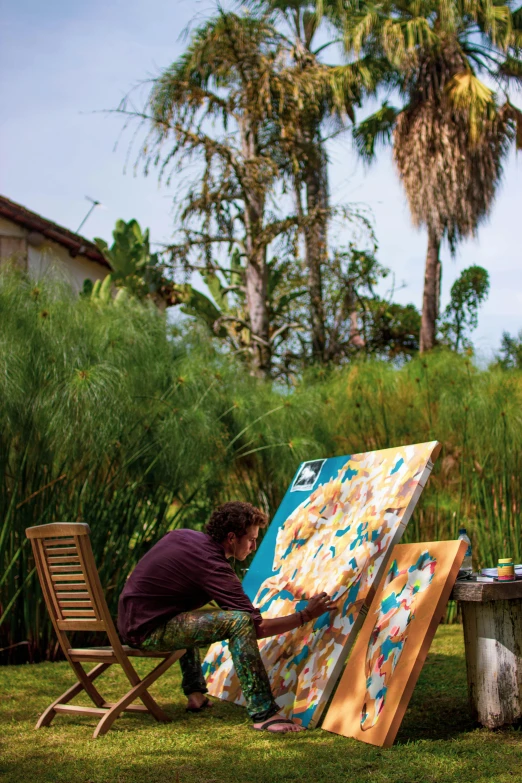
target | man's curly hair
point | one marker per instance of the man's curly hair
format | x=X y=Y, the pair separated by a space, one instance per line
x=234 y=517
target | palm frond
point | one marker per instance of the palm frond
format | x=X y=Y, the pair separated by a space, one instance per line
x=496 y=20
x=450 y=179
x=473 y=98
x=511 y=70
x=515 y=115
x=375 y=129
x=226 y=50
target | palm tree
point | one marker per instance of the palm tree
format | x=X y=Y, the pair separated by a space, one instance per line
x=214 y=105
x=451 y=134
x=319 y=99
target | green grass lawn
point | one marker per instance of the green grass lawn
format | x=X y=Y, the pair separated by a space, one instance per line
x=437 y=742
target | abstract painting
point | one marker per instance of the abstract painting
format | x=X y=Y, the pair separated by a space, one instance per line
x=386 y=660
x=333 y=532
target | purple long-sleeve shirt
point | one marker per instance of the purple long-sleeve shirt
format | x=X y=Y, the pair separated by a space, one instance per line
x=185 y=570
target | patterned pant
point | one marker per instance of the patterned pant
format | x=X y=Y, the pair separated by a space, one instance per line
x=198 y=629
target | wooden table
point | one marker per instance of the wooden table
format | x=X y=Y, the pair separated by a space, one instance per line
x=492 y=619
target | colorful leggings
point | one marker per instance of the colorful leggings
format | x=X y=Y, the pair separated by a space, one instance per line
x=198 y=629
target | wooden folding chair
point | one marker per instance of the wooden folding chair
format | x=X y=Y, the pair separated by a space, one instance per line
x=75 y=600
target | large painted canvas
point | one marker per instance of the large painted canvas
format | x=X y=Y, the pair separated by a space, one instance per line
x=389 y=653
x=333 y=532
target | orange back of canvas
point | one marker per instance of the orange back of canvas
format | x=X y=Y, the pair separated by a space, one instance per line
x=387 y=658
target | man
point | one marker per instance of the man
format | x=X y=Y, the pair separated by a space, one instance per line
x=184 y=571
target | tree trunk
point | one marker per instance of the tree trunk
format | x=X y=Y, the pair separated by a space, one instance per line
x=256 y=296
x=256 y=273
x=430 y=300
x=256 y=283
x=356 y=337
x=316 y=248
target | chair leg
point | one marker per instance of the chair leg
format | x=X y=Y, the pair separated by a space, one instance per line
x=47 y=716
x=90 y=689
x=139 y=691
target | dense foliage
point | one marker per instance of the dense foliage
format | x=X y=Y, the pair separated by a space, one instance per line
x=111 y=417
x=510 y=356
x=241 y=114
x=451 y=131
x=245 y=115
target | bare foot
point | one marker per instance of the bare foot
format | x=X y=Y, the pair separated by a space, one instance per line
x=196 y=701
x=281 y=726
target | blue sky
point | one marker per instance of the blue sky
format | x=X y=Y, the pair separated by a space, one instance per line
x=61 y=63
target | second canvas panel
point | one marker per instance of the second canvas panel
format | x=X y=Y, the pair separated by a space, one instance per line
x=333 y=532
x=387 y=658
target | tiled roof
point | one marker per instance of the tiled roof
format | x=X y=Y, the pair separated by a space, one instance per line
x=75 y=244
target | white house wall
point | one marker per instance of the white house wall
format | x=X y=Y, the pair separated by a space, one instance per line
x=50 y=258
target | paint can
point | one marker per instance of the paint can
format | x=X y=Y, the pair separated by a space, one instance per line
x=506 y=569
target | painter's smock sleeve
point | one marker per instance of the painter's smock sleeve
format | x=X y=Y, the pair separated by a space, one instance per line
x=223 y=586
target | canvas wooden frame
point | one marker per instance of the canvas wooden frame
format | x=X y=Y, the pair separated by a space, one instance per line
x=412 y=611
x=221 y=679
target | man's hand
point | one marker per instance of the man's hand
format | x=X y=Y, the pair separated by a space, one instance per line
x=318 y=605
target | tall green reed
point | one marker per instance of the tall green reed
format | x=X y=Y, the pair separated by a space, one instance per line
x=475 y=414
x=108 y=419
x=76 y=443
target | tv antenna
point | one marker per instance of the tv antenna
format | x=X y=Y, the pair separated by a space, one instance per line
x=94 y=204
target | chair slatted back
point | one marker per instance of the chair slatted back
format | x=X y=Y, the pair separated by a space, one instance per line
x=69 y=578
x=76 y=602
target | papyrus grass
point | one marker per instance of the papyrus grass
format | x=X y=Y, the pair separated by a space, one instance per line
x=109 y=418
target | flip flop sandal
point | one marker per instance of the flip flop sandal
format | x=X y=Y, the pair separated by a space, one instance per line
x=206 y=704
x=271 y=722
